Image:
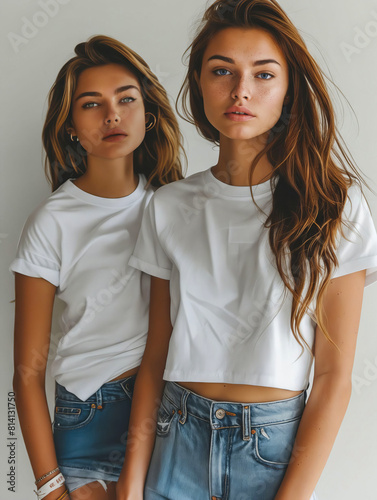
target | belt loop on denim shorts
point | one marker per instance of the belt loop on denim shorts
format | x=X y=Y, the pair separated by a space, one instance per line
x=183 y=409
x=99 y=399
x=246 y=423
x=306 y=392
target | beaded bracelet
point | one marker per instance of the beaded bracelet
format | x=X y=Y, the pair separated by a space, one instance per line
x=46 y=475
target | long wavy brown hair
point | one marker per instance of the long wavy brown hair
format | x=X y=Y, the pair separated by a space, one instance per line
x=313 y=169
x=158 y=157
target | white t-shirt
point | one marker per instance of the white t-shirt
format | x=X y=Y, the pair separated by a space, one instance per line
x=229 y=309
x=81 y=244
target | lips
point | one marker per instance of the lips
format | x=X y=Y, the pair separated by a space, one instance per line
x=239 y=111
x=114 y=133
x=239 y=114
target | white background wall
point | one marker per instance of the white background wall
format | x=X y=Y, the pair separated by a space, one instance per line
x=36 y=41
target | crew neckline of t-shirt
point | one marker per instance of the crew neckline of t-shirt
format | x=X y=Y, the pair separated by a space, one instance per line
x=228 y=190
x=91 y=199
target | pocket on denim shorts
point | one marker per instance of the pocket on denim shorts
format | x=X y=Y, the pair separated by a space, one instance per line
x=274 y=442
x=69 y=416
x=165 y=416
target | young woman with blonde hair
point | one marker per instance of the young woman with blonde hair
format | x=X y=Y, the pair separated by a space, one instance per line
x=111 y=138
x=259 y=268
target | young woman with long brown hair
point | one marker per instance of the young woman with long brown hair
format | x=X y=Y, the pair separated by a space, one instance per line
x=111 y=138
x=259 y=269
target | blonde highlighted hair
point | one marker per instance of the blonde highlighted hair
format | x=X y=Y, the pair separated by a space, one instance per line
x=158 y=157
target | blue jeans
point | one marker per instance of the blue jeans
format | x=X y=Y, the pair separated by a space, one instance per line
x=214 y=450
x=90 y=436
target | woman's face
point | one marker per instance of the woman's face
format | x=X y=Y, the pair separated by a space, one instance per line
x=108 y=114
x=244 y=82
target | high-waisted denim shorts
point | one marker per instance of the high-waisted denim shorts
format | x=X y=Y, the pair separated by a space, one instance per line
x=212 y=450
x=90 y=436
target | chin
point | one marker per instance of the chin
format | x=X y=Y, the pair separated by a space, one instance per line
x=240 y=136
x=244 y=134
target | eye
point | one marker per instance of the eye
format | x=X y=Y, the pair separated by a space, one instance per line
x=265 y=76
x=221 y=72
x=127 y=99
x=88 y=105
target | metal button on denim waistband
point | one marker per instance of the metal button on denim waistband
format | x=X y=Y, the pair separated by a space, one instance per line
x=220 y=414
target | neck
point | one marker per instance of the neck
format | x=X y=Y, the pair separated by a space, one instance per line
x=235 y=160
x=107 y=178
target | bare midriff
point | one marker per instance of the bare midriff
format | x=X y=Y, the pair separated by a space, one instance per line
x=126 y=374
x=238 y=393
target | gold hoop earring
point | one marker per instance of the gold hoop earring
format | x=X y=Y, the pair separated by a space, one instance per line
x=152 y=123
x=72 y=138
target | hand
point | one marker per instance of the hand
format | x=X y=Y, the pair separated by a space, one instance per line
x=124 y=490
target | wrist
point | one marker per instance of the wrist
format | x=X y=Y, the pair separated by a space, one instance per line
x=59 y=494
x=129 y=491
x=45 y=479
x=52 y=487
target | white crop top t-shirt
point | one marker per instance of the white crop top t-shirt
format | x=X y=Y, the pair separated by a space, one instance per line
x=229 y=310
x=81 y=244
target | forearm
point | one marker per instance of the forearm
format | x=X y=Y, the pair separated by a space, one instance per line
x=147 y=395
x=318 y=429
x=35 y=424
x=142 y=430
x=32 y=326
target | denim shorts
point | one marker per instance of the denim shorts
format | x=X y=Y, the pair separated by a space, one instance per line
x=90 y=436
x=212 y=450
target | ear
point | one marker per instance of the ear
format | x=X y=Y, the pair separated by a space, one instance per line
x=197 y=79
x=71 y=130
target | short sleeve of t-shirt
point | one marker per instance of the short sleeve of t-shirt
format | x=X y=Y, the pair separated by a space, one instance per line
x=149 y=255
x=357 y=249
x=38 y=249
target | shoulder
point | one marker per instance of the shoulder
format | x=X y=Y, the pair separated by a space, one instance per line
x=179 y=190
x=355 y=192
x=356 y=206
x=44 y=217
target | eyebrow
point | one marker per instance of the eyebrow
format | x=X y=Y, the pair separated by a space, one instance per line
x=98 y=94
x=261 y=62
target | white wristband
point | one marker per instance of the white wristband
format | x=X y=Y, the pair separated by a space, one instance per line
x=52 y=485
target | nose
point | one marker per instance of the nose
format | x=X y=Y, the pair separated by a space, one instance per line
x=241 y=90
x=112 y=115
